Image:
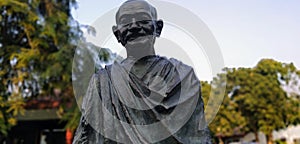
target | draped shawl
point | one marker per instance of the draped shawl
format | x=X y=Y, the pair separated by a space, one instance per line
x=160 y=104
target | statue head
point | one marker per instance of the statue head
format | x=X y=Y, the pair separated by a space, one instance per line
x=137 y=24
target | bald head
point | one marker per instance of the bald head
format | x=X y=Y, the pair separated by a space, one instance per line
x=132 y=6
x=137 y=24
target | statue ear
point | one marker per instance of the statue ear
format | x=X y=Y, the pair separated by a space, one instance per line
x=117 y=33
x=159 y=26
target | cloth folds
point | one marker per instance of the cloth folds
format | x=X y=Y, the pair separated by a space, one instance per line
x=156 y=102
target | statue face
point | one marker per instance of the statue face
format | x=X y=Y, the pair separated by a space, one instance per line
x=136 y=24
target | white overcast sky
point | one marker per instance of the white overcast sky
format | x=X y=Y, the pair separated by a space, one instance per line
x=246 y=30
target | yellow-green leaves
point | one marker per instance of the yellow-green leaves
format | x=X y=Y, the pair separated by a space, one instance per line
x=36 y=52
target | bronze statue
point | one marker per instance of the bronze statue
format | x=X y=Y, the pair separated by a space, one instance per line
x=145 y=98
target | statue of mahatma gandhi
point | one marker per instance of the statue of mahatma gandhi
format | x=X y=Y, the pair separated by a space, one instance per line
x=145 y=98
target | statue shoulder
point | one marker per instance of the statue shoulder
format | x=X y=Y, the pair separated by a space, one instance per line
x=179 y=64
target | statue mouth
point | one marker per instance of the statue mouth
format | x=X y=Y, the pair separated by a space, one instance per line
x=135 y=36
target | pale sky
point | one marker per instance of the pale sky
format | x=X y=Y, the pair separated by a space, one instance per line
x=246 y=30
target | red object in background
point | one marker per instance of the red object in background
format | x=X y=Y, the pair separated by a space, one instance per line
x=69 y=136
x=42 y=104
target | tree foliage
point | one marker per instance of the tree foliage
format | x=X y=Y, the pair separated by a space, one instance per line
x=258 y=99
x=229 y=120
x=37 y=44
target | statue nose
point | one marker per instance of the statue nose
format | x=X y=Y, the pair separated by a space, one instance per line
x=134 y=26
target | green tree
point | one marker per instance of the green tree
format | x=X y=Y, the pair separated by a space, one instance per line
x=229 y=120
x=260 y=96
x=37 y=44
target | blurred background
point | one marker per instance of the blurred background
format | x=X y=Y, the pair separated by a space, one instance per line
x=258 y=39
